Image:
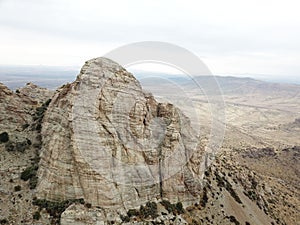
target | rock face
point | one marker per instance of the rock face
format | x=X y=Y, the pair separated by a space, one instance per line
x=15 y=111
x=16 y=107
x=108 y=142
x=35 y=93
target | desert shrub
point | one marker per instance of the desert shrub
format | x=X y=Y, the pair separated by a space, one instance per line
x=36 y=215
x=179 y=208
x=150 y=209
x=28 y=142
x=125 y=219
x=194 y=222
x=88 y=205
x=254 y=183
x=204 y=197
x=251 y=195
x=271 y=201
x=36 y=160
x=232 y=192
x=233 y=220
x=38 y=127
x=4 y=137
x=18 y=146
x=145 y=211
x=41 y=110
x=3 y=221
x=10 y=147
x=29 y=172
x=173 y=208
x=21 y=146
x=33 y=182
x=24 y=126
x=206 y=173
x=46 y=104
x=222 y=182
x=55 y=209
x=39 y=113
x=133 y=212
x=17 y=188
x=168 y=206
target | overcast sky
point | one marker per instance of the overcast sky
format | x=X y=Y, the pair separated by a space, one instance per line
x=231 y=37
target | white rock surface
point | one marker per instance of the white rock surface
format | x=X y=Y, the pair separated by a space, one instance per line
x=108 y=142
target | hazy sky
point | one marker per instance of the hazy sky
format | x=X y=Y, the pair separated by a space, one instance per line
x=231 y=37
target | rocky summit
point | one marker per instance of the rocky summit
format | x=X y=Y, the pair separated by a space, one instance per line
x=116 y=147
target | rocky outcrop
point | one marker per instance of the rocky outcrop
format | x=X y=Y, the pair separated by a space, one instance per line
x=15 y=111
x=18 y=110
x=108 y=142
x=81 y=215
x=17 y=107
x=35 y=93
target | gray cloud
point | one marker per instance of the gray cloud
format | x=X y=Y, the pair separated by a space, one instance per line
x=225 y=34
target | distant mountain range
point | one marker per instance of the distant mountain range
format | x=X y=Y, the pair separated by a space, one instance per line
x=45 y=76
x=52 y=77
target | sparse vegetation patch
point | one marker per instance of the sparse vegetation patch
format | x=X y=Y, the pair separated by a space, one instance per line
x=222 y=182
x=30 y=173
x=55 y=209
x=4 y=137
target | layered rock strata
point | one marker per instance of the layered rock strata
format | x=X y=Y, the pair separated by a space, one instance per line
x=107 y=141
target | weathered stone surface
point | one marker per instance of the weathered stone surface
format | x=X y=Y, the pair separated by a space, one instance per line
x=35 y=93
x=15 y=111
x=108 y=142
x=80 y=215
x=16 y=107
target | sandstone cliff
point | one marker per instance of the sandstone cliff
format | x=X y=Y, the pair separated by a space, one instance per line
x=108 y=142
